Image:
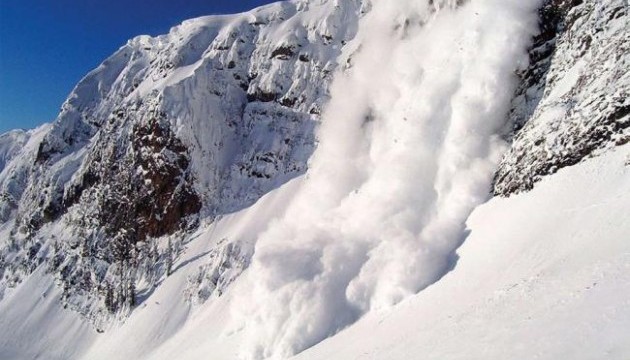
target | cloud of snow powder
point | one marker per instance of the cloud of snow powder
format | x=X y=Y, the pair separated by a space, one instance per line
x=408 y=147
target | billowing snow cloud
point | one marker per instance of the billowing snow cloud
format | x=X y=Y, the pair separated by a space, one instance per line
x=408 y=147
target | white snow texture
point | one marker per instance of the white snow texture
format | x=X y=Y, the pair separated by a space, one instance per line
x=407 y=149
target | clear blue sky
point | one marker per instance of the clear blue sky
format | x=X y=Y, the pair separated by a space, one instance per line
x=47 y=46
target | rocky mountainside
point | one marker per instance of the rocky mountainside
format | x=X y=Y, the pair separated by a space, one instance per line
x=173 y=133
x=167 y=131
x=574 y=100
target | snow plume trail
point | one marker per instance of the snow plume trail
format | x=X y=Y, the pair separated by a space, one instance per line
x=408 y=147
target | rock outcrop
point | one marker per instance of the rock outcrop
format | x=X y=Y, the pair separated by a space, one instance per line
x=573 y=101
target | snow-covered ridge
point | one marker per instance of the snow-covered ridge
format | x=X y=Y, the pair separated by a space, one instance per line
x=281 y=55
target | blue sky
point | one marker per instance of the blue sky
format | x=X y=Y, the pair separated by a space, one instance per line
x=47 y=46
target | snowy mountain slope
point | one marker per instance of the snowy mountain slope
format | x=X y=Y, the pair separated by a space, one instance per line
x=157 y=205
x=240 y=77
x=167 y=131
x=543 y=284
x=147 y=327
x=35 y=325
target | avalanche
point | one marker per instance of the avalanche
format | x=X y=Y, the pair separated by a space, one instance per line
x=407 y=148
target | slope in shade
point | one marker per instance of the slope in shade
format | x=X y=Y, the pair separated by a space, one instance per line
x=408 y=147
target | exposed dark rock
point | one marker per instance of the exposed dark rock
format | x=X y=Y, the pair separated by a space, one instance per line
x=573 y=99
x=262 y=96
x=283 y=52
x=156 y=196
x=288 y=102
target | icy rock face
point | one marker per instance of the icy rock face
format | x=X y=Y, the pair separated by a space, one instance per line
x=217 y=83
x=192 y=124
x=10 y=145
x=225 y=263
x=573 y=102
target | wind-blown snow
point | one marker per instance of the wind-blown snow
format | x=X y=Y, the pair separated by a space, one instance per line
x=408 y=147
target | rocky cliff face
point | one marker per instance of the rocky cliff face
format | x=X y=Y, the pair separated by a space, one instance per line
x=573 y=102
